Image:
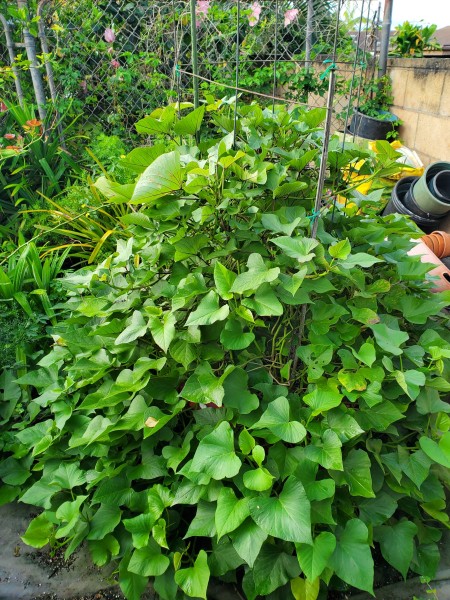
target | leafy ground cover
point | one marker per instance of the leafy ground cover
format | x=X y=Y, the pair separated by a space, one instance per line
x=226 y=395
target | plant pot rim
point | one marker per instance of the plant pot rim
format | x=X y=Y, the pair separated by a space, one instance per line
x=427 y=196
x=392 y=118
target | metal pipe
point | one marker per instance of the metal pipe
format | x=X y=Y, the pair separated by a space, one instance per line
x=385 y=36
x=274 y=84
x=12 y=58
x=324 y=157
x=45 y=50
x=49 y=69
x=194 y=54
x=309 y=32
x=36 y=76
x=238 y=50
x=352 y=81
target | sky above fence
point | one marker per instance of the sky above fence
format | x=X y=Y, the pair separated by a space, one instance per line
x=430 y=12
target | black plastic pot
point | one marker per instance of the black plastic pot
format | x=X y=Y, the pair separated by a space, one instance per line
x=372 y=128
x=397 y=205
x=409 y=200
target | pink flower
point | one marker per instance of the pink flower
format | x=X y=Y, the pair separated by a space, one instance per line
x=201 y=10
x=115 y=63
x=110 y=50
x=9 y=136
x=290 y=16
x=109 y=35
x=253 y=17
x=3 y=107
x=202 y=7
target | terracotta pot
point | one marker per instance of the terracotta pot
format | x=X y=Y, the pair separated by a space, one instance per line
x=427 y=240
x=438 y=244
x=445 y=237
x=440 y=271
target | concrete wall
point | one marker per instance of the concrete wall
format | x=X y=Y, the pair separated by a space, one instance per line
x=421 y=88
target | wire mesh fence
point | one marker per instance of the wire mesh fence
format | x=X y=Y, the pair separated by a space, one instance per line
x=115 y=60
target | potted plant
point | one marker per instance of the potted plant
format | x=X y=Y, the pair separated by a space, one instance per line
x=372 y=118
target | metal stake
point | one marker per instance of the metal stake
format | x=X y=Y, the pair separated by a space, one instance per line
x=49 y=70
x=238 y=48
x=194 y=54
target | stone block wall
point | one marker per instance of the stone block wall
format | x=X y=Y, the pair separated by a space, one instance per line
x=421 y=88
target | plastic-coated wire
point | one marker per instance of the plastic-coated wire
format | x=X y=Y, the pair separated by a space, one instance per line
x=352 y=168
x=336 y=31
x=358 y=95
x=194 y=52
x=274 y=86
x=244 y=90
x=324 y=157
x=363 y=66
x=290 y=60
x=350 y=92
x=175 y=58
x=327 y=128
x=238 y=48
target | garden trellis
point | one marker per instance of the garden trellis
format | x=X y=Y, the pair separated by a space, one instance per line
x=274 y=48
x=111 y=62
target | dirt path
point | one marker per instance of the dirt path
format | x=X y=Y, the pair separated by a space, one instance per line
x=28 y=574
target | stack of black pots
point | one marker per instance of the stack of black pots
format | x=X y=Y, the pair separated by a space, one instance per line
x=425 y=199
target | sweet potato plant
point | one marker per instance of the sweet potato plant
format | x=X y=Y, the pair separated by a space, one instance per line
x=228 y=396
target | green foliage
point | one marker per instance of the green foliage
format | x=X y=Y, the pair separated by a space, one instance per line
x=412 y=40
x=116 y=83
x=108 y=151
x=187 y=424
x=16 y=331
x=376 y=100
x=33 y=163
x=376 y=96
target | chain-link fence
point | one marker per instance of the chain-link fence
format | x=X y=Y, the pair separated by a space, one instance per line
x=115 y=60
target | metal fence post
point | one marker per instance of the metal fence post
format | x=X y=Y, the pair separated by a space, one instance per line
x=49 y=69
x=12 y=58
x=385 y=35
x=36 y=77
x=309 y=32
x=45 y=50
x=194 y=54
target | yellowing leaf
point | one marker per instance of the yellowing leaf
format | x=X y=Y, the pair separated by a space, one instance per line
x=302 y=589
